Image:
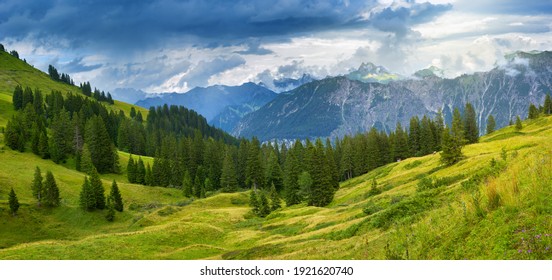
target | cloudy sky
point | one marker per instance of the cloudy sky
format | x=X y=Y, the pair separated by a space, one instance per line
x=175 y=45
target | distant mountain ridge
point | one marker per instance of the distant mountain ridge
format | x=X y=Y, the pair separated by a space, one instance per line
x=334 y=107
x=221 y=105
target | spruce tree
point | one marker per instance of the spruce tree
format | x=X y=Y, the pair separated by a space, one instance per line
x=148 y=177
x=87 y=199
x=187 y=185
x=36 y=187
x=140 y=172
x=264 y=208
x=254 y=169
x=426 y=140
x=519 y=126
x=110 y=215
x=14 y=202
x=291 y=175
x=50 y=196
x=414 y=136
x=254 y=202
x=198 y=185
x=43 y=148
x=131 y=170
x=332 y=165
x=347 y=158
x=228 y=179
x=533 y=112
x=17 y=98
x=374 y=188
x=451 y=147
x=400 y=145
x=547 y=107
x=102 y=151
x=471 y=130
x=490 y=124
x=274 y=172
x=115 y=195
x=323 y=189
x=276 y=201
x=98 y=189
x=86 y=165
x=305 y=183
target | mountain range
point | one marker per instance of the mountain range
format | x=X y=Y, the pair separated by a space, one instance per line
x=334 y=107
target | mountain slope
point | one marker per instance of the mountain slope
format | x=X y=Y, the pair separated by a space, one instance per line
x=15 y=72
x=350 y=106
x=459 y=218
x=212 y=101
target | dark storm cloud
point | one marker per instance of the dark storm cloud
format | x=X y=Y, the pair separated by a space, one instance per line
x=138 y=24
x=76 y=65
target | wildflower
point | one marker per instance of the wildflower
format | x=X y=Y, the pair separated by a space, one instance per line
x=529 y=251
x=520 y=251
x=547 y=248
x=538 y=236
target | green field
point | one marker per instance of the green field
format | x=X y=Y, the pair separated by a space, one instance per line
x=456 y=220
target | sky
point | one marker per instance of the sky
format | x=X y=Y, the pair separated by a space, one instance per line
x=176 y=45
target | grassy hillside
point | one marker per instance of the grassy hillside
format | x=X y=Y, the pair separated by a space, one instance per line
x=15 y=72
x=479 y=208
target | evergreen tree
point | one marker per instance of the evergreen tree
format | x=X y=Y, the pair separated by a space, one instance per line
x=86 y=164
x=98 y=189
x=374 y=188
x=547 y=107
x=451 y=147
x=291 y=176
x=131 y=170
x=519 y=126
x=102 y=151
x=254 y=169
x=323 y=187
x=264 y=208
x=62 y=136
x=414 y=136
x=426 y=140
x=332 y=165
x=198 y=185
x=490 y=124
x=43 y=147
x=254 y=202
x=140 y=172
x=50 y=196
x=276 y=202
x=228 y=179
x=87 y=199
x=400 y=145
x=274 y=174
x=116 y=198
x=14 y=135
x=148 y=177
x=305 y=183
x=17 y=98
x=110 y=215
x=457 y=127
x=187 y=185
x=533 y=112
x=14 y=202
x=36 y=187
x=439 y=127
x=471 y=130
x=347 y=159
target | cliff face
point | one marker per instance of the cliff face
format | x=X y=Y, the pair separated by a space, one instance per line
x=333 y=107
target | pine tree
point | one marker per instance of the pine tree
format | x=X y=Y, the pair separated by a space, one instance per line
x=198 y=185
x=519 y=126
x=131 y=170
x=110 y=215
x=547 y=107
x=187 y=185
x=148 y=177
x=276 y=202
x=14 y=202
x=400 y=145
x=426 y=140
x=374 y=188
x=291 y=175
x=102 y=151
x=254 y=202
x=86 y=164
x=115 y=195
x=50 y=196
x=332 y=165
x=274 y=172
x=228 y=179
x=414 y=136
x=490 y=124
x=17 y=98
x=14 y=135
x=62 y=137
x=323 y=189
x=533 y=112
x=471 y=130
x=451 y=147
x=43 y=148
x=254 y=169
x=347 y=159
x=305 y=183
x=98 y=189
x=87 y=199
x=36 y=187
x=140 y=172
x=264 y=208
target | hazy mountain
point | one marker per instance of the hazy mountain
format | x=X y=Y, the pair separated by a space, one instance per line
x=129 y=95
x=223 y=103
x=338 y=106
